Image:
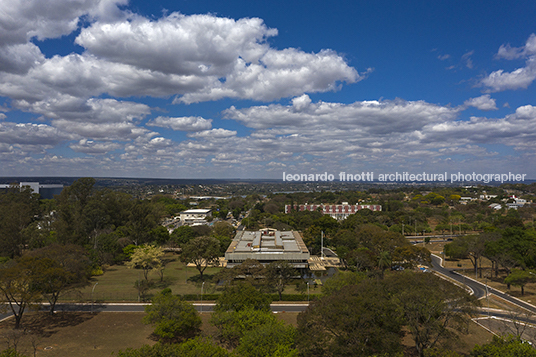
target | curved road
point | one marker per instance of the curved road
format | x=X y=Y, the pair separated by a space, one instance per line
x=478 y=288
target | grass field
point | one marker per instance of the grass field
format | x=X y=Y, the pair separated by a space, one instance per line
x=79 y=334
x=84 y=334
x=117 y=283
x=101 y=334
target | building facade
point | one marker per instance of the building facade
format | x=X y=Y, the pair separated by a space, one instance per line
x=195 y=216
x=339 y=212
x=268 y=245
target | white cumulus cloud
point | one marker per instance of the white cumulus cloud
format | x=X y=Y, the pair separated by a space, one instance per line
x=519 y=78
x=182 y=123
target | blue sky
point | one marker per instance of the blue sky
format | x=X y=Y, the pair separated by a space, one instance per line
x=244 y=89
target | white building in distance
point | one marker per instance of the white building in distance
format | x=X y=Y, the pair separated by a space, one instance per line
x=195 y=216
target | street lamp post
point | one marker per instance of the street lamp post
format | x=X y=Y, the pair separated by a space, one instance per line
x=202 y=285
x=92 y=290
x=307 y=291
x=487 y=292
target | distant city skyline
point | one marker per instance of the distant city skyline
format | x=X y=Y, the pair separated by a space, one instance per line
x=241 y=89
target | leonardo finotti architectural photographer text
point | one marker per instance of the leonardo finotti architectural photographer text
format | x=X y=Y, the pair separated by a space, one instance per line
x=406 y=177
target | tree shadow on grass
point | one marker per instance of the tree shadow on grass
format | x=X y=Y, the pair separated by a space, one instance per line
x=196 y=279
x=45 y=324
x=166 y=282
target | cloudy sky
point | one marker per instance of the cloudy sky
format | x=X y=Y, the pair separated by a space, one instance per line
x=247 y=89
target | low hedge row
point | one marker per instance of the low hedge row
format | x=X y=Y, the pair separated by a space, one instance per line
x=274 y=297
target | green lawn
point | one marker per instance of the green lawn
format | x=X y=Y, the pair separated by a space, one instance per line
x=117 y=282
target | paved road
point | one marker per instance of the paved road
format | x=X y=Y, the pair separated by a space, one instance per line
x=479 y=289
x=140 y=307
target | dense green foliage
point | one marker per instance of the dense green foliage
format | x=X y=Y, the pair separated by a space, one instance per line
x=508 y=346
x=242 y=296
x=191 y=348
x=233 y=325
x=174 y=318
x=368 y=316
x=50 y=246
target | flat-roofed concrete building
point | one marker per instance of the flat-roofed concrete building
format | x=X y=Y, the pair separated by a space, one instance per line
x=195 y=216
x=266 y=246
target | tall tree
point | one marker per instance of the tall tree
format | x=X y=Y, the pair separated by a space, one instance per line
x=357 y=319
x=250 y=271
x=72 y=224
x=432 y=308
x=242 y=296
x=60 y=268
x=508 y=346
x=279 y=274
x=174 y=319
x=202 y=251
x=18 y=209
x=17 y=288
x=520 y=278
x=233 y=325
x=144 y=217
x=272 y=339
x=182 y=235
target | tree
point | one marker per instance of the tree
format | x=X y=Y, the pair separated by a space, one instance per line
x=279 y=274
x=144 y=217
x=410 y=256
x=520 y=278
x=18 y=207
x=146 y=257
x=71 y=224
x=268 y=340
x=174 y=318
x=17 y=286
x=250 y=270
x=225 y=233
x=358 y=319
x=223 y=229
x=472 y=246
x=232 y=325
x=143 y=287
x=196 y=347
x=60 y=268
x=242 y=296
x=340 y=280
x=516 y=247
x=202 y=251
x=159 y=234
x=182 y=235
x=431 y=307
x=384 y=262
x=509 y=346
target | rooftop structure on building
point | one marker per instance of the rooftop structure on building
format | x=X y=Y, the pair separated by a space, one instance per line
x=195 y=216
x=339 y=211
x=44 y=190
x=268 y=245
